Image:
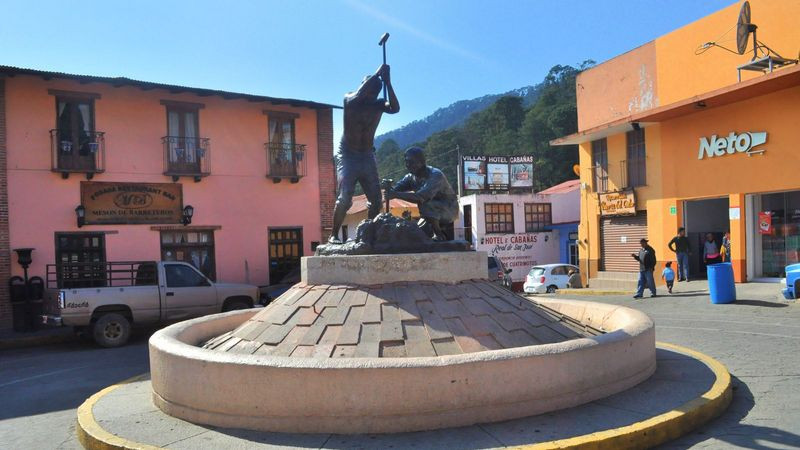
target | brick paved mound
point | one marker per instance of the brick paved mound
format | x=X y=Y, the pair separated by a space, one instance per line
x=396 y=320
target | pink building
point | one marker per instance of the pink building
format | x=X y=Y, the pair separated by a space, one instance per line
x=130 y=156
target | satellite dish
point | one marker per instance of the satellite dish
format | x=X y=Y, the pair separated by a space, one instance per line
x=743 y=30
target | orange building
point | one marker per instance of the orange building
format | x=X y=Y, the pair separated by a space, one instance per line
x=670 y=137
x=96 y=169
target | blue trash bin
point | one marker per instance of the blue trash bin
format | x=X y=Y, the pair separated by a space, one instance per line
x=720 y=283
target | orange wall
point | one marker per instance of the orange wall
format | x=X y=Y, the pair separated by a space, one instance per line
x=609 y=92
x=237 y=196
x=682 y=74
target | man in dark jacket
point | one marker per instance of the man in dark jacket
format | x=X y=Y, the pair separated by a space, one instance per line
x=680 y=245
x=647 y=264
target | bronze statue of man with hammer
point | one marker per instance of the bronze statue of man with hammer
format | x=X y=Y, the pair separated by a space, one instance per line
x=356 y=163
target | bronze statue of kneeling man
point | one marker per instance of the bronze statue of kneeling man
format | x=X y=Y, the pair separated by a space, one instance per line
x=429 y=189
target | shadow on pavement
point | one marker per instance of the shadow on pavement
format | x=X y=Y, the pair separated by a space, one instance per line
x=728 y=429
x=763 y=303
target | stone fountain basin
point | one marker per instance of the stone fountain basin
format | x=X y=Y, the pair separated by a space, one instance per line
x=387 y=395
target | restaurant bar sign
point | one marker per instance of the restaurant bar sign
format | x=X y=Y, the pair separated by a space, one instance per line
x=132 y=203
x=497 y=173
x=622 y=203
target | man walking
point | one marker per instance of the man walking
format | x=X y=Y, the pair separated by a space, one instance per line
x=680 y=245
x=647 y=264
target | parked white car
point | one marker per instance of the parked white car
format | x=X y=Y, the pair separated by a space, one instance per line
x=548 y=278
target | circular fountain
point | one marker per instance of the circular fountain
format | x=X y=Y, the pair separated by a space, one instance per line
x=377 y=344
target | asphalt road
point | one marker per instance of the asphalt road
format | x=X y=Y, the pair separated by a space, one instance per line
x=41 y=388
x=757 y=338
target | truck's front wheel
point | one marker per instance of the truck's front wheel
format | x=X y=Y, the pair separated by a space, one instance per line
x=112 y=330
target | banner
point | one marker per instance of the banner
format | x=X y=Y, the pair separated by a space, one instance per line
x=765 y=223
x=474 y=172
x=132 y=203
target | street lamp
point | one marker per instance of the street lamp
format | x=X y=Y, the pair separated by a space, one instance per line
x=80 y=212
x=188 y=212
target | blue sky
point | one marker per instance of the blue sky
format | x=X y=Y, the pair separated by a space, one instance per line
x=440 y=51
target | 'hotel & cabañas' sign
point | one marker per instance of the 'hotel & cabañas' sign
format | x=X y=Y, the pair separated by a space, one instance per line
x=132 y=203
x=621 y=203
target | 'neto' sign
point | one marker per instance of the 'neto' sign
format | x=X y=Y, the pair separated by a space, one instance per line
x=733 y=143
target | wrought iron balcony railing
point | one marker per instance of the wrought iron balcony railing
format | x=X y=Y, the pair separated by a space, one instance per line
x=77 y=152
x=186 y=157
x=600 y=176
x=285 y=161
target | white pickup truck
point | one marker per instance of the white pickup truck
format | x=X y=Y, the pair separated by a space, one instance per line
x=103 y=300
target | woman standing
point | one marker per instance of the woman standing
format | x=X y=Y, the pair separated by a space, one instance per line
x=710 y=250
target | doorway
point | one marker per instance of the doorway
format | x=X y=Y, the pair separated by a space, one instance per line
x=702 y=217
x=285 y=251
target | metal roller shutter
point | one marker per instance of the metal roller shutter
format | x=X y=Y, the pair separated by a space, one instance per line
x=619 y=237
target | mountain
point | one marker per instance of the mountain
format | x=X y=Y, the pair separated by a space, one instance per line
x=453 y=115
x=506 y=127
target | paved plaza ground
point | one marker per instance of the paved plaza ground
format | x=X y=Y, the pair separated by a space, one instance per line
x=757 y=338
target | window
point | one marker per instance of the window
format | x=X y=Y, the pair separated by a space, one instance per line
x=558 y=270
x=499 y=217
x=284 y=155
x=183 y=276
x=80 y=260
x=636 y=168
x=193 y=247
x=74 y=137
x=538 y=216
x=185 y=151
x=600 y=165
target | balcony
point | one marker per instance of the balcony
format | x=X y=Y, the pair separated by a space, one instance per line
x=186 y=157
x=81 y=152
x=285 y=161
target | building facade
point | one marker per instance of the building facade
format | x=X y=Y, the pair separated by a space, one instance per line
x=107 y=169
x=524 y=230
x=670 y=137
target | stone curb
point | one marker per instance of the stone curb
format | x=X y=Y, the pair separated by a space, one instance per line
x=92 y=436
x=645 y=434
x=589 y=291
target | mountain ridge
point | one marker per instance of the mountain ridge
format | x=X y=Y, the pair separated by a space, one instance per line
x=452 y=115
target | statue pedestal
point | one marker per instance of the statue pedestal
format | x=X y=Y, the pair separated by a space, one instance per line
x=446 y=267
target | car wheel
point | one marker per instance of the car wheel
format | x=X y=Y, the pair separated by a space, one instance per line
x=552 y=289
x=235 y=305
x=111 y=330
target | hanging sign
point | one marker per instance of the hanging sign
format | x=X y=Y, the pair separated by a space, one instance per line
x=621 y=203
x=132 y=203
x=765 y=223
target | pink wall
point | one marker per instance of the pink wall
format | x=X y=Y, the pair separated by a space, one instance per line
x=236 y=196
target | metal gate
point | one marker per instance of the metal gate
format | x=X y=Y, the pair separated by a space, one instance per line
x=619 y=237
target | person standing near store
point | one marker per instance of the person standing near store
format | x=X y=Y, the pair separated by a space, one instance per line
x=647 y=264
x=726 y=247
x=680 y=245
x=710 y=250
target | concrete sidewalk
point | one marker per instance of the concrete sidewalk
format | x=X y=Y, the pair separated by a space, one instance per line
x=128 y=412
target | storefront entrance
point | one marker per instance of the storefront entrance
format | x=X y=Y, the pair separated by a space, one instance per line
x=703 y=217
x=775 y=224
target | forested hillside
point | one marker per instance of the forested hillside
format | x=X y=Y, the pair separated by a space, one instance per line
x=507 y=127
x=450 y=116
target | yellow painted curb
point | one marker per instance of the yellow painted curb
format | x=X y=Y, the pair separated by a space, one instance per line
x=645 y=434
x=664 y=427
x=92 y=436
